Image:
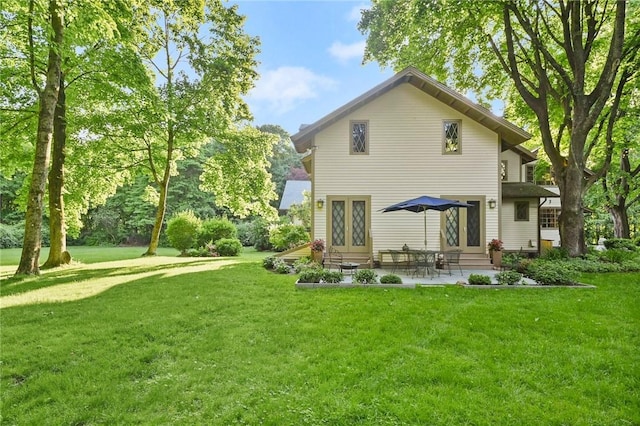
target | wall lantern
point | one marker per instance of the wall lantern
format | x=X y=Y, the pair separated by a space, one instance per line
x=320 y=203
x=492 y=203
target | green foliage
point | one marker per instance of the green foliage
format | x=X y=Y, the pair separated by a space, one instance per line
x=303 y=263
x=479 y=279
x=390 y=279
x=228 y=246
x=618 y=255
x=259 y=232
x=508 y=277
x=238 y=174
x=182 y=230
x=244 y=233
x=332 y=276
x=286 y=236
x=281 y=267
x=620 y=243
x=301 y=212
x=556 y=253
x=11 y=236
x=214 y=229
x=268 y=262
x=316 y=274
x=365 y=276
x=511 y=260
x=552 y=273
x=311 y=275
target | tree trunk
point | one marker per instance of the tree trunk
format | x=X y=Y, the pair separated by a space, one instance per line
x=571 y=219
x=58 y=247
x=29 y=260
x=620 y=221
x=157 y=226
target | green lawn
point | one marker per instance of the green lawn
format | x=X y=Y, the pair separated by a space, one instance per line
x=220 y=341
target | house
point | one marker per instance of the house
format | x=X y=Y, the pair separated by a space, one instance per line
x=412 y=136
x=293 y=193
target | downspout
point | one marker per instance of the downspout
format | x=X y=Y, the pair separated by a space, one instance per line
x=540 y=227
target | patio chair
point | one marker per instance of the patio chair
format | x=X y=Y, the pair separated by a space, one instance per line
x=452 y=257
x=396 y=257
x=333 y=258
x=425 y=262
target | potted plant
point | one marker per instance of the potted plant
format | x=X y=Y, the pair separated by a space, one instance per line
x=317 y=250
x=495 y=251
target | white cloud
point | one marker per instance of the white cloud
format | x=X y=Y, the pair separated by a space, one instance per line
x=356 y=12
x=284 y=88
x=344 y=52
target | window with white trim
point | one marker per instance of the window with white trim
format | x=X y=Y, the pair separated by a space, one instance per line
x=549 y=218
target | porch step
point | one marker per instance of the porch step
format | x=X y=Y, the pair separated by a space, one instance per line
x=475 y=261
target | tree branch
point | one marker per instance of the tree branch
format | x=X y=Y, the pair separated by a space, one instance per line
x=32 y=59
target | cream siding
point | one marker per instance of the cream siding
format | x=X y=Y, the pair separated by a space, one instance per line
x=518 y=235
x=513 y=166
x=405 y=161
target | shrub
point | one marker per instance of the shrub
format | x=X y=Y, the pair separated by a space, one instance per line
x=311 y=275
x=390 y=279
x=508 y=278
x=228 y=246
x=303 y=263
x=511 y=260
x=244 y=234
x=268 y=262
x=332 y=277
x=281 y=267
x=556 y=253
x=365 y=276
x=11 y=236
x=552 y=273
x=617 y=255
x=259 y=231
x=182 y=230
x=478 y=279
x=619 y=243
x=286 y=236
x=213 y=230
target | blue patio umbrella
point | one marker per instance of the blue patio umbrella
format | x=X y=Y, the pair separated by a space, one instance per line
x=424 y=203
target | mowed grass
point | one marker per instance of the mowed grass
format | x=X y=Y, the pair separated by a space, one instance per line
x=215 y=342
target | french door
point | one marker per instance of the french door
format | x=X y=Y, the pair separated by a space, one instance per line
x=349 y=223
x=463 y=228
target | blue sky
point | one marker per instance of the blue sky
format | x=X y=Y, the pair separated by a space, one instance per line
x=310 y=60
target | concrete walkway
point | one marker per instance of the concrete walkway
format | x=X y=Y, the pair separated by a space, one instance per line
x=443 y=278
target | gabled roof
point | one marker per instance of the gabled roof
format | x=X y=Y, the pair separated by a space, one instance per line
x=293 y=193
x=525 y=190
x=511 y=134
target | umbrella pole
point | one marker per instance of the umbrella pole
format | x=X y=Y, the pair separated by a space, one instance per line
x=425 y=228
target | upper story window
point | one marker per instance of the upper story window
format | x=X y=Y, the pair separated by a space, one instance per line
x=530 y=173
x=522 y=211
x=359 y=137
x=504 y=170
x=451 y=137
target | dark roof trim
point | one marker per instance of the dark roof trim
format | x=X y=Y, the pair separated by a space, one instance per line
x=525 y=190
x=511 y=134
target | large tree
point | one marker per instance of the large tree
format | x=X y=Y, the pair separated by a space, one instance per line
x=562 y=59
x=204 y=63
x=97 y=41
x=47 y=94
